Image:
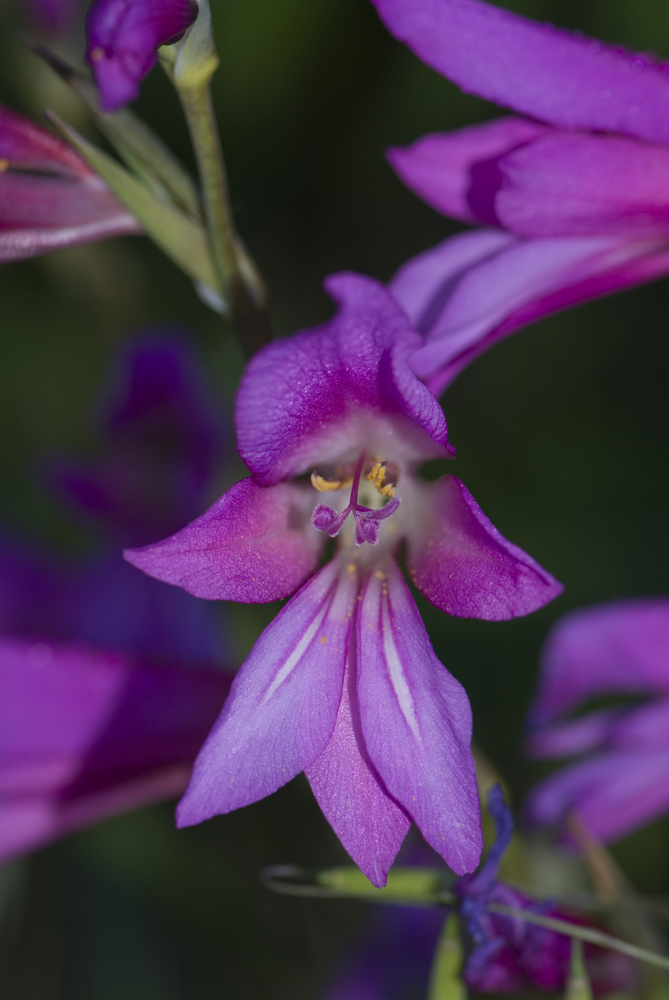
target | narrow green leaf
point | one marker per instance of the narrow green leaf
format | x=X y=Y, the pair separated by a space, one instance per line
x=133 y=140
x=445 y=981
x=406 y=886
x=180 y=237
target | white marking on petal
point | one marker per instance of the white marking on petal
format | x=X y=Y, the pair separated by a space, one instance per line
x=298 y=652
x=396 y=671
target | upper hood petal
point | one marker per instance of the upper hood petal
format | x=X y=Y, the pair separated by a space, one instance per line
x=307 y=398
x=283 y=705
x=416 y=721
x=555 y=75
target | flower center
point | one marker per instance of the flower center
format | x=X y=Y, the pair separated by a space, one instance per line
x=367 y=519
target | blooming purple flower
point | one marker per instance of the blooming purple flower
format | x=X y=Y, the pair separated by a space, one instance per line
x=123 y=38
x=575 y=213
x=622 y=781
x=49 y=197
x=510 y=955
x=86 y=734
x=344 y=684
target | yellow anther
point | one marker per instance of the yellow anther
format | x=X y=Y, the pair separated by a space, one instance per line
x=96 y=54
x=377 y=476
x=4 y=165
x=325 y=485
x=388 y=490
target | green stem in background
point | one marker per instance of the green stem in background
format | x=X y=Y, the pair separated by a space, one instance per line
x=578 y=984
x=445 y=981
x=584 y=934
x=191 y=66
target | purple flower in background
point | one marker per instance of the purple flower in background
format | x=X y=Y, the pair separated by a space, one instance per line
x=49 y=197
x=86 y=734
x=53 y=18
x=575 y=213
x=344 y=684
x=622 y=781
x=510 y=955
x=123 y=38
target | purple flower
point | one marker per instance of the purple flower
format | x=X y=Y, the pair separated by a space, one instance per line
x=576 y=194
x=49 y=197
x=123 y=38
x=510 y=955
x=622 y=781
x=86 y=734
x=344 y=684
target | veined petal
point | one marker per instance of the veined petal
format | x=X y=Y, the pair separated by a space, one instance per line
x=525 y=280
x=310 y=398
x=283 y=705
x=590 y=185
x=354 y=800
x=613 y=794
x=615 y=647
x=255 y=544
x=416 y=721
x=457 y=172
x=545 y=72
x=462 y=563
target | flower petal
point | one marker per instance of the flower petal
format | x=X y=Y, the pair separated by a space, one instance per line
x=255 y=544
x=416 y=721
x=525 y=280
x=123 y=39
x=576 y=736
x=354 y=800
x=463 y=565
x=86 y=734
x=614 y=794
x=49 y=197
x=303 y=399
x=619 y=646
x=456 y=172
x=590 y=185
x=284 y=701
x=545 y=72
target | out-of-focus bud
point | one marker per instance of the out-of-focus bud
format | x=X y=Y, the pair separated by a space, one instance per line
x=49 y=196
x=123 y=38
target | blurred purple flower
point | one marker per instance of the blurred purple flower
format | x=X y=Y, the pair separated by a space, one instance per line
x=53 y=19
x=344 y=684
x=576 y=213
x=510 y=955
x=49 y=197
x=123 y=38
x=86 y=734
x=623 y=781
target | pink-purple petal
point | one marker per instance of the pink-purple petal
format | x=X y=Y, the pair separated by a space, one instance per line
x=302 y=399
x=354 y=800
x=525 y=280
x=548 y=73
x=284 y=701
x=463 y=565
x=573 y=737
x=613 y=794
x=255 y=544
x=456 y=172
x=616 y=647
x=584 y=185
x=416 y=721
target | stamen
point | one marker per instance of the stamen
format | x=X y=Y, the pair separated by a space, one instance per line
x=326 y=518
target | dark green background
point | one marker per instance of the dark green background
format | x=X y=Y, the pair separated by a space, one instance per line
x=562 y=433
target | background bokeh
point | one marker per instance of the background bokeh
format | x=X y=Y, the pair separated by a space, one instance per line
x=562 y=433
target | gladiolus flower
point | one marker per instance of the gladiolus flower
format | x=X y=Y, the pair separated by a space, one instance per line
x=86 y=734
x=49 y=197
x=575 y=213
x=123 y=38
x=622 y=780
x=344 y=684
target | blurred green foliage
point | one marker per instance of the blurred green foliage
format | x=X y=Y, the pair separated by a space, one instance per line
x=562 y=432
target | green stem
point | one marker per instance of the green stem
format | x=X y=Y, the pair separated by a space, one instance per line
x=243 y=291
x=584 y=933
